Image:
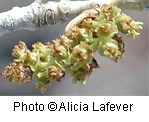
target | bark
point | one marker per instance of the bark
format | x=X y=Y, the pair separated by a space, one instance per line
x=38 y=14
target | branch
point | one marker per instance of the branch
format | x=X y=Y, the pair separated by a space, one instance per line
x=38 y=14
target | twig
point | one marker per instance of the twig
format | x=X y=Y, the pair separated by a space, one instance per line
x=38 y=14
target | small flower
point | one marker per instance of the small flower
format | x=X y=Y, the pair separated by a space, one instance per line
x=109 y=12
x=87 y=23
x=21 y=52
x=83 y=72
x=129 y=26
x=106 y=28
x=60 y=50
x=43 y=50
x=42 y=86
x=80 y=74
x=79 y=54
x=111 y=49
x=82 y=52
x=42 y=56
x=55 y=73
x=17 y=73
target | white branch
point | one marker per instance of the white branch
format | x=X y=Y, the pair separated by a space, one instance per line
x=40 y=14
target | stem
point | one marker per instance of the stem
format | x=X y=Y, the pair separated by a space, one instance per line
x=37 y=14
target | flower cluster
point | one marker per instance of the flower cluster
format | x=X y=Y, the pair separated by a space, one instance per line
x=74 y=52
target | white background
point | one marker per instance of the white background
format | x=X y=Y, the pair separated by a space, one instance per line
x=139 y=113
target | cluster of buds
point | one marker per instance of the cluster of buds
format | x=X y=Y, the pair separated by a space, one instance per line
x=73 y=53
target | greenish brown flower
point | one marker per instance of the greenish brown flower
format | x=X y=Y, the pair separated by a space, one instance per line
x=82 y=53
x=109 y=12
x=17 y=73
x=21 y=52
x=84 y=71
x=129 y=26
x=55 y=73
x=42 y=86
x=106 y=28
x=60 y=49
x=111 y=49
